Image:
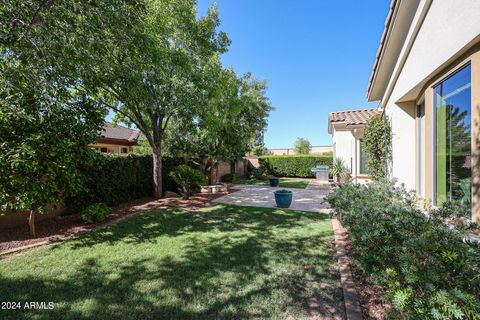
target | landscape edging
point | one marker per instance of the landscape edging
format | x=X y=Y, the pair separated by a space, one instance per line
x=350 y=296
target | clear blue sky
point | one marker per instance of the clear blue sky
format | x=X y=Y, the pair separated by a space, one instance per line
x=316 y=55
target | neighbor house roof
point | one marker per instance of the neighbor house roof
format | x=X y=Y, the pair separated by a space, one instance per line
x=119 y=134
x=351 y=117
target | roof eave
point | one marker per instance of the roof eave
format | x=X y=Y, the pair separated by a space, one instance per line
x=380 y=52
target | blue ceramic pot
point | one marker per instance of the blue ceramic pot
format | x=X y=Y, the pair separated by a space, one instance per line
x=283 y=198
x=274 y=182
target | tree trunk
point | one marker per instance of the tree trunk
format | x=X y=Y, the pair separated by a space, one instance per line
x=213 y=173
x=157 y=174
x=32 y=218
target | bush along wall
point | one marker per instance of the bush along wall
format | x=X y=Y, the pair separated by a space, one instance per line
x=112 y=179
x=294 y=165
x=430 y=272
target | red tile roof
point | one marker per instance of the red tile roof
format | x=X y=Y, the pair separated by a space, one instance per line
x=352 y=117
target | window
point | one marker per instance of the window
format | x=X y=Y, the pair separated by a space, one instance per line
x=363 y=159
x=104 y=150
x=124 y=150
x=453 y=178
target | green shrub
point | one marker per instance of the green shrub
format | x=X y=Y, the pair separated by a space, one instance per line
x=339 y=171
x=113 y=179
x=188 y=179
x=96 y=212
x=257 y=173
x=377 y=141
x=429 y=271
x=294 y=165
x=230 y=177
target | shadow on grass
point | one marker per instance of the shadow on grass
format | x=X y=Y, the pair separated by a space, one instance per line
x=175 y=222
x=235 y=263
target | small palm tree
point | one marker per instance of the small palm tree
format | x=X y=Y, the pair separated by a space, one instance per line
x=188 y=179
x=339 y=171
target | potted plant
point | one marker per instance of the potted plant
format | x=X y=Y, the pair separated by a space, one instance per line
x=274 y=181
x=283 y=198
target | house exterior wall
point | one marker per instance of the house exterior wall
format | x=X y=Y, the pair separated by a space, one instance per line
x=344 y=142
x=435 y=44
x=403 y=143
x=443 y=35
x=111 y=148
x=347 y=147
x=289 y=151
x=321 y=149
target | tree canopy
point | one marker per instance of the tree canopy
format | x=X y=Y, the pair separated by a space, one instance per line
x=46 y=118
x=302 y=146
x=227 y=127
x=153 y=62
x=155 y=72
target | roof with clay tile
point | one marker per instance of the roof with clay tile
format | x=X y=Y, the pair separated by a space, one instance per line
x=119 y=133
x=351 y=117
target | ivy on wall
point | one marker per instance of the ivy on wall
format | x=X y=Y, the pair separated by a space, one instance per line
x=377 y=141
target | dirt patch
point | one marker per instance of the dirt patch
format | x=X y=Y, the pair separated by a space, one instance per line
x=372 y=297
x=63 y=227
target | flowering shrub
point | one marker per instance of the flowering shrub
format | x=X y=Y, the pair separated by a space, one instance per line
x=429 y=271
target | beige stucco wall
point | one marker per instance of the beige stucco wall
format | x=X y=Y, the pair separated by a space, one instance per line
x=289 y=151
x=344 y=147
x=112 y=148
x=443 y=35
x=347 y=147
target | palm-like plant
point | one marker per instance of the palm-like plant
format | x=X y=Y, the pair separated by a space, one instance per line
x=339 y=170
x=188 y=179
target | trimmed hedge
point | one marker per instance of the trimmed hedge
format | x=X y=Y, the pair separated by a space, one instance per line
x=114 y=179
x=294 y=165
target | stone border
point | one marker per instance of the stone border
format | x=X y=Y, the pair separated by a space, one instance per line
x=350 y=297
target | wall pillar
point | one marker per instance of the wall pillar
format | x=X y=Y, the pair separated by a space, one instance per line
x=476 y=137
x=427 y=175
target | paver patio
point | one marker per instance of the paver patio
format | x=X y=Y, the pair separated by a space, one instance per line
x=310 y=199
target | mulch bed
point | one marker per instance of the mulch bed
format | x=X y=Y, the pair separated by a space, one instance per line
x=372 y=297
x=63 y=227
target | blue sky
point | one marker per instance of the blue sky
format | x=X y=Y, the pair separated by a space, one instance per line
x=316 y=55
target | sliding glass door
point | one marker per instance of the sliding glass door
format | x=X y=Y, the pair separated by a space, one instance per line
x=453 y=138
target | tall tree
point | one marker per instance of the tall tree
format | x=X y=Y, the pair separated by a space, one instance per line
x=302 y=146
x=46 y=119
x=226 y=129
x=154 y=74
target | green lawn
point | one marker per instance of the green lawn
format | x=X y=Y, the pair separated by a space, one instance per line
x=226 y=262
x=284 y=182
